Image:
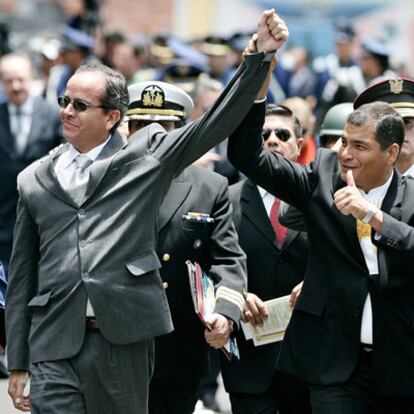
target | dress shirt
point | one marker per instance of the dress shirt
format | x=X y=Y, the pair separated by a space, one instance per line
x=374 y=196
x=267 y=198
x=410 y=171
x=21 y=134
x=64 y=169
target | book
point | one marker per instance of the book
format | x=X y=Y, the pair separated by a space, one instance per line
x=204 y=300
x=274 y=327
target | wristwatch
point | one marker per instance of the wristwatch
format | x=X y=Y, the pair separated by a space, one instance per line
x=372 y=210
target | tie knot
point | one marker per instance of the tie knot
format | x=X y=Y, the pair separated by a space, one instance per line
x=83 y=162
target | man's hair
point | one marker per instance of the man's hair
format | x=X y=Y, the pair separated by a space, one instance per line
x=388 y=124
x=116 y=91
x=206 y=84
x=280 y=110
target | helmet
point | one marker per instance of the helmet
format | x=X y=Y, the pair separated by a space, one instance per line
x=335 y=119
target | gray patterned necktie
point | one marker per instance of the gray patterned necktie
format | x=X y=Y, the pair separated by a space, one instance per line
x=79 y=180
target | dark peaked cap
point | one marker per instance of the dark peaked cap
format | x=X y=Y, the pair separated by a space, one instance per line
x=398 y=92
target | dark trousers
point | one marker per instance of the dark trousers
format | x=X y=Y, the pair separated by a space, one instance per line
x=287 y=395
x=358 y=395
x=101 y=379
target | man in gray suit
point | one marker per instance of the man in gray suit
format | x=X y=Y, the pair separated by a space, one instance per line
x=85 y=295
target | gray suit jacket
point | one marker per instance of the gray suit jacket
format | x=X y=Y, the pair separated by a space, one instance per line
x=104 y=249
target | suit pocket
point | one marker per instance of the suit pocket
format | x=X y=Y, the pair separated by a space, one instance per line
x=40 y=300
x=310 y=304
x=143 y=264
x=196 y=226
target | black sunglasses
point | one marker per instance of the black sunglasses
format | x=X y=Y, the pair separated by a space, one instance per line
x=282 y=133
x=78 y=105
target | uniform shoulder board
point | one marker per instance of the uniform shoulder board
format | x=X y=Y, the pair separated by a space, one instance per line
x=53 y=151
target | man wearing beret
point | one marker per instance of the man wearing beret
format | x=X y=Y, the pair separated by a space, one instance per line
x=85 y=297
x=351 y=333
x=195 y=223
x=399 y=93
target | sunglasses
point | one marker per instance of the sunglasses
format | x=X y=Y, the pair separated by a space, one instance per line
x=78 y=105
x=282 y=133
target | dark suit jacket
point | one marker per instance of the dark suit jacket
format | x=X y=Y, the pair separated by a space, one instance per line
x=215 y=247
x=272 y=272
x=45 y=134
x=322 y=343
x=104 y=248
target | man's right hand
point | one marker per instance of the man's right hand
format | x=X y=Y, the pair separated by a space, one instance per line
x=255 y=310
x=17 y=384
x=272 y=32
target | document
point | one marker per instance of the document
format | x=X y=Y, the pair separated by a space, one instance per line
x=204 y=300
x=274 y=327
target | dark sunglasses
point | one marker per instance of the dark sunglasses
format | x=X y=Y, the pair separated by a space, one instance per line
x=78 y=105
x=282 y=133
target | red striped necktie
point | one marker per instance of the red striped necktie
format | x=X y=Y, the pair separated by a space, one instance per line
x=279 y=229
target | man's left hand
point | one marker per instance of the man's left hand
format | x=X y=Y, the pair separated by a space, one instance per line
x=349 y=200
x=272 y=32
x=220 y=330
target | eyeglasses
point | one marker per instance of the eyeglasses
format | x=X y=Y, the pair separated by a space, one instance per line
x=282 y=133
x=78 y=105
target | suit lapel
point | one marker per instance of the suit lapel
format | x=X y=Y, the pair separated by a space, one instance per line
x=45 y=173
x=254 y=209
x=175 y=197
x=6 y=138
x=100 y=166
x=38 y=117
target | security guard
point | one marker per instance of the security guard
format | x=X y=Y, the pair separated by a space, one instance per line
x=194 y=224
x=333 y=124
x=399 y=93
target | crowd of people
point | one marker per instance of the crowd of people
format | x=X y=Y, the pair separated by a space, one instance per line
x=120 y=168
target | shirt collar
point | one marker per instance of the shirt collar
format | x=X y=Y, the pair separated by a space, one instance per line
x=93 y=154
x=378 y=193
x=26 y=108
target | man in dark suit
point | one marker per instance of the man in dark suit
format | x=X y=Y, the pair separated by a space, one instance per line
x=350 y=335
x=29 y=128
x=85 y=297
x=274 y=267
x=194 y=224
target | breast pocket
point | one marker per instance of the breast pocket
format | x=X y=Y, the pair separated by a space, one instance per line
x=144 y=263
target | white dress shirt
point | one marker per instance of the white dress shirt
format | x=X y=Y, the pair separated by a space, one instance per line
x=26 y=115
x=410 y=171
x=64 y=168
x=374 y=196
x=267 y=198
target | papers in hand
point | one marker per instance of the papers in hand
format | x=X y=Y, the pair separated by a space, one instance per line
x=204 y=300
x=274 y=327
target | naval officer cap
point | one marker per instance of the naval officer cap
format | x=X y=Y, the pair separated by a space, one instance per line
x=158 y=101
x=398 y=92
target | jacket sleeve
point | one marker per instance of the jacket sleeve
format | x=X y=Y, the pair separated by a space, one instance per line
x=183 y=146
x=21 y=288
x=228 y=261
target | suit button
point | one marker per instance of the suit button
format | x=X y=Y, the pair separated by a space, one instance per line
x=81 y=212
x=85 y=275
x=166 y=257
x=83 y=243
x=165 y=285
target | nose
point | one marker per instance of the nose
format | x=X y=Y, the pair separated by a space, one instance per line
x=273 y=138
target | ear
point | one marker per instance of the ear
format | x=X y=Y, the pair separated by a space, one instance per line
x=393 y=153
x=113 y=116
x=300 y=142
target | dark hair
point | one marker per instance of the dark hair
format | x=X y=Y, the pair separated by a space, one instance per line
x=116 y=91
x=281 y=110
x=388 y=124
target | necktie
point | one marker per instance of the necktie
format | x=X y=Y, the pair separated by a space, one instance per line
x=80 y=178
x=280 y=231
x=18 y=132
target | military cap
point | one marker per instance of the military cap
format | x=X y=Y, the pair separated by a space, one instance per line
x=215 y=46
x=74 y=39
x=183 y=74
x=375 y=47
x=158 y=101
x=161 y=49
x=335 y=119
x=344 y=31
x=398 y=92
x=239 y=40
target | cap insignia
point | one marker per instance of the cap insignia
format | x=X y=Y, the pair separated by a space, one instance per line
x=396 y=86
x=153 y=97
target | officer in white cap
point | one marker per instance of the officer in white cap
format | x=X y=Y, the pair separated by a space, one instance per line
x=194 y=224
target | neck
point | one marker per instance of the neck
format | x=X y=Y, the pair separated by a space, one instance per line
x=404 y=163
